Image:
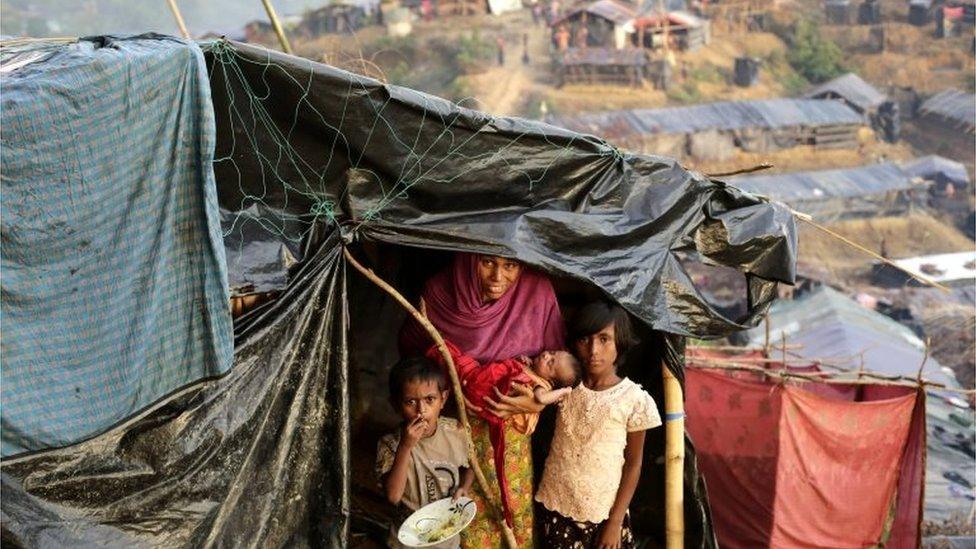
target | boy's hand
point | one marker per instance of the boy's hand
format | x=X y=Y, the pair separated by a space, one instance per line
x=610 y=534
x=460 y=493
x=413 y=431
x=524 y=359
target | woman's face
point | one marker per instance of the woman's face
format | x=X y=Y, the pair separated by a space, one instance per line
x=496 y=275
x=598 y=351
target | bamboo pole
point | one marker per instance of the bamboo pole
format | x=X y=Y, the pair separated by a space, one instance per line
x=674 y=460
x=179 y=18
x=819 y=377
x=277 y=26
x=479 y=475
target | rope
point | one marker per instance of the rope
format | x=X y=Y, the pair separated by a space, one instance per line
x=921 y=278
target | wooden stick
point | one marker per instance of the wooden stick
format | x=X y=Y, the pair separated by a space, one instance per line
x=674 y=460
x=179 y=18
x=277 y=26
x=479 y=475
x=753 y=169
x=814 y=377
x=791 y=346
x=919 y=277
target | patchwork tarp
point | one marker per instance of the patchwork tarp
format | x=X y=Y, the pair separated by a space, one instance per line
x=808 y=465
x=265 y=455
x=114 y=284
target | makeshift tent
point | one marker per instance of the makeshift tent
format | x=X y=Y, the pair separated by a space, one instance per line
x=265 y=454
x=939 y=170
x=828 y=326
x=953 y=106
x=852 y=90
x=114 y=284
x=809 y=464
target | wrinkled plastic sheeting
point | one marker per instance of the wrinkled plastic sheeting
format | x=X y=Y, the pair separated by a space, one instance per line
x=256 y=458
x=435 y=175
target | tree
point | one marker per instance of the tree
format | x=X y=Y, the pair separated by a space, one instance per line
x=815 y=57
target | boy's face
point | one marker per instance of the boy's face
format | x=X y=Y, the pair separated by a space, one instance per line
x=555 y=366
x=421 y=398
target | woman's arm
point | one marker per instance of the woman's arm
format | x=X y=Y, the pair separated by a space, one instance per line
x=523 y=402
x=633 y=456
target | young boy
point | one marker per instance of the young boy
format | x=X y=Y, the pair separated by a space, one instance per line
x=426 y=459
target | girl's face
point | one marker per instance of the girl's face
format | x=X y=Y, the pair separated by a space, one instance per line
x=496 y=275
x=598 y=351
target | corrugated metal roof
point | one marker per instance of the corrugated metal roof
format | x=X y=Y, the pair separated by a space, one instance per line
x=826 y=324
x=604 y=56
x=725 y=115
x=869 y=180
x=929 y=167
x=853 y=89
x=618 y=12
x=955 y=105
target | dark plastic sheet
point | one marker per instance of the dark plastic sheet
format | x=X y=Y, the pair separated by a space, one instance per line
x=261 y=457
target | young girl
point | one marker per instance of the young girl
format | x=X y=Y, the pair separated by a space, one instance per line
x=595 y=459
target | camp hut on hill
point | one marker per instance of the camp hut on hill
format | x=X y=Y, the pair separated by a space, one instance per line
x=839 y=12
x=919 y=12
x=846 y=193
x=829 y=328
x=863 y=98
x=270 y=441
x=627 y=67
x=715 y=131
x=600 y=24
x=952 y=107
x=941 y=171
x=679 y=30
x=945 y=125
x=334 y=18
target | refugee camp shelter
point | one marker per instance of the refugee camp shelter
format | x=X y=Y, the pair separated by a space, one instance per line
x=828 y=326
x=919 y=12
x=883 y=114
x=853 y=91
x=627 y=67
x=679 y=30
x=607 y=23
x=940 y=171
x=839 y=12
x=260 y=433
x=333 y=18
x=845 y=193
x=717 y=130
x=792 y=451
x=953 y=107
x=954 y=270
x=945 y=125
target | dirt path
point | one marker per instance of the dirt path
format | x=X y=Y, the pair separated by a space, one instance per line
x=505 y=90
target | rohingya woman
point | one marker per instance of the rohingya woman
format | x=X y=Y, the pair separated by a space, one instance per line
x=493 y=308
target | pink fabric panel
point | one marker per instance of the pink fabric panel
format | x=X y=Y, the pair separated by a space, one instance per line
x=839 y=464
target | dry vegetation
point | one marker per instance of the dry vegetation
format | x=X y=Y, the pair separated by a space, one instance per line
x=905 y=236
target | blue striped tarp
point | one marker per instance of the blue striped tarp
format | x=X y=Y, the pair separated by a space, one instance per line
x=114 y=285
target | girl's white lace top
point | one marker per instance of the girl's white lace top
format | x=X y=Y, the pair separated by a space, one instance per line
x=586 y=460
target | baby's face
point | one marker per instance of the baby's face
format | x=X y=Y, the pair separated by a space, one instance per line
x=555 y=367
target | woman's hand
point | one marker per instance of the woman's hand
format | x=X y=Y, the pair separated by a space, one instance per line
x=470 y=407
x=522 y=402
x=610 y=534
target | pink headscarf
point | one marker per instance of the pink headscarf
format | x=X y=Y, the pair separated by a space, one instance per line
x=523 y=321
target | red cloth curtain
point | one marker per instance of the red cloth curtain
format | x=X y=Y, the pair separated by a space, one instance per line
x=813 y=465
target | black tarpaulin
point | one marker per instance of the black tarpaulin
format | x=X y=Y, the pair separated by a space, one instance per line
x=266 y=455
